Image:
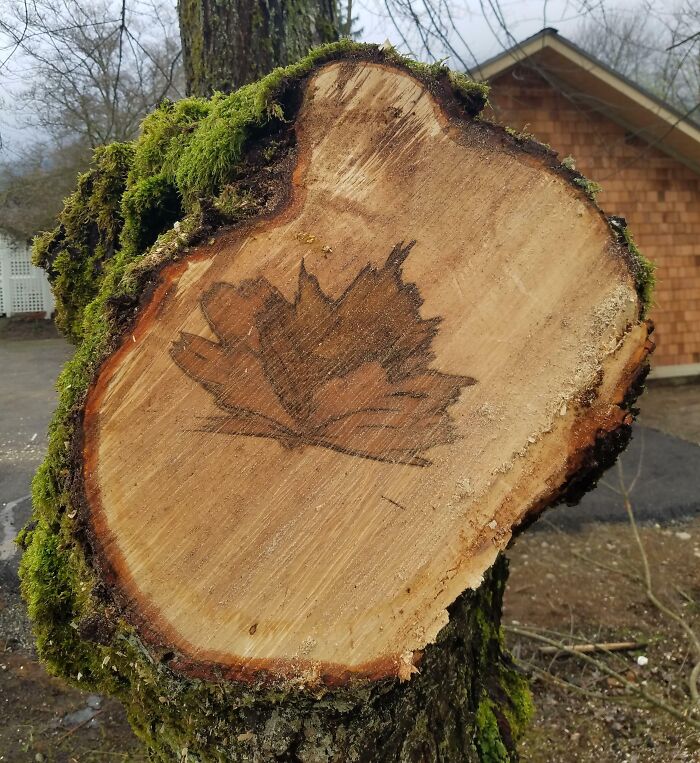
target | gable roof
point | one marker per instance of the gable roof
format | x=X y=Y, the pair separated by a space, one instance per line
x=607 y=91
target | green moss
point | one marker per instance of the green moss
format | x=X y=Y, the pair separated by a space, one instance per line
x=233 y=203
x=77 y=252
x=520 y=708
x=569 y=162
x=590 y=187
x=150 y=206
x=213 y=152
x=491 y=747
x=525 y=137
x=644 y=275
x=56 y=584
x=505 y=707
x=520 y=135
x=164 y=136
x=517 y=709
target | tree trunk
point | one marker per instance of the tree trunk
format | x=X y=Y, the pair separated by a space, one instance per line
x=467 y=703
x=304 y=421
x=231 y=43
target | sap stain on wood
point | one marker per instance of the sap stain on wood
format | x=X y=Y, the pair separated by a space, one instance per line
x=350 y=374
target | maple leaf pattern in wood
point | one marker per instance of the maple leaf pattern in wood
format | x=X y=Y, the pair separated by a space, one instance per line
x=350 y=374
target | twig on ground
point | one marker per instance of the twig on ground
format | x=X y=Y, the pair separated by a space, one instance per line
x=569 y=685
x=79 y=726
x=653 y=598
x=601 y=666
x=612 y=646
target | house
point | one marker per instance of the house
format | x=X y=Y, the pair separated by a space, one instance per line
x=643 y=152
x=24 y=288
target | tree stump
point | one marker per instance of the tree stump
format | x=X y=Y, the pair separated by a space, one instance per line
x=307 y=436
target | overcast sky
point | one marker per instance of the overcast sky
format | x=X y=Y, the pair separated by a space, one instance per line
x=475 y=20
x=479 y=26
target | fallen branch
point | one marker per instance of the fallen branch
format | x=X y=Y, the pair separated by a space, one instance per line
x=612 y=646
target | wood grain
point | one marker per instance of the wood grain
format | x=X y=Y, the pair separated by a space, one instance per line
x=325 y=425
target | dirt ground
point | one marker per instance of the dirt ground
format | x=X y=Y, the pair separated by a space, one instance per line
x=573 y=585
x=587 y=588
x=41 y=719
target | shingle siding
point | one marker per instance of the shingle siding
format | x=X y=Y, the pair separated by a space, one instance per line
x=657 y=194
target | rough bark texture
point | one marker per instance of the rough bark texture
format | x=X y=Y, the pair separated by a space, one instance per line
x=229 y=43
x=468 y=703
x=201 y=165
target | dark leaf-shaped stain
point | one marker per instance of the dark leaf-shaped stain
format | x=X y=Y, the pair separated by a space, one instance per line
x=350 y=374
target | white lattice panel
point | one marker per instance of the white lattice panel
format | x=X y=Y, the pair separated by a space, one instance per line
x=27 y=295
x=20 y=265
x=23 y=287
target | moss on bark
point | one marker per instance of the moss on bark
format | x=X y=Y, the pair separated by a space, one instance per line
x=86 y=238
x=642 y=267
x=468 y=703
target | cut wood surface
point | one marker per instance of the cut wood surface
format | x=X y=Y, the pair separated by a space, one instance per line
x=325 y=424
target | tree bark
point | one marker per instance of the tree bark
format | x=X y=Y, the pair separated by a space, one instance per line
x=231 y=43
x=467 y=703
x=304 y=420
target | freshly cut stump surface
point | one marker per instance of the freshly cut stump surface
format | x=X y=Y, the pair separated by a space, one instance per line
x=326 y=423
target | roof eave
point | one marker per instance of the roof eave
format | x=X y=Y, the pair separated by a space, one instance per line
x=620 y=99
